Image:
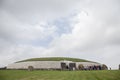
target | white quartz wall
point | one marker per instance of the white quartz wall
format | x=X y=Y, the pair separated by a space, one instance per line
x=35 y=64
x=46 y=64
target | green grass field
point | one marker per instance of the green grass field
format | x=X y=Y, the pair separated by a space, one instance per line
x=59 y=75
x=55 y=59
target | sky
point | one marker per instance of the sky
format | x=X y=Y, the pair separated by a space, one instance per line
x=85 y=29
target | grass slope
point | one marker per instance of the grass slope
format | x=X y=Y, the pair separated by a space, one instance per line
x=59 y=75
x=56 y=59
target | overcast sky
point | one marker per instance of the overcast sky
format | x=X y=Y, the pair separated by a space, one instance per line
x=86 y=29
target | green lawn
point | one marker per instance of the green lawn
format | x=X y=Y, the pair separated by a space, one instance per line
x=56 y=59
x=59 y=75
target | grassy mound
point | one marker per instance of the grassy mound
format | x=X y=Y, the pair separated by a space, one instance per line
x=56 y=59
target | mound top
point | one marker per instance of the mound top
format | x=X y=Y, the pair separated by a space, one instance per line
x=56 y=59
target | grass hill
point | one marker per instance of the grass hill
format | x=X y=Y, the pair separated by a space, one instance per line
x=56 y=59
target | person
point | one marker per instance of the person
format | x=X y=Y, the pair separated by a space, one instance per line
x=110 y=68
x=119 y=66
x=100 y=67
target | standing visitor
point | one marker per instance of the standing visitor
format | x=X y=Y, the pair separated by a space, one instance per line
x=119 y=66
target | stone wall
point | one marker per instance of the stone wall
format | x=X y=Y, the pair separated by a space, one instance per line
x=48 y=64
x=36 y=65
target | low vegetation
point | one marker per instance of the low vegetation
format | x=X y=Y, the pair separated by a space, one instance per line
x=56 y=59
x=59 y=75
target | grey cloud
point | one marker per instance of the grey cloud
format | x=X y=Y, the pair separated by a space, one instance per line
x=16 y=15
x=95 y=36
x=35 y=11
x=9 y=25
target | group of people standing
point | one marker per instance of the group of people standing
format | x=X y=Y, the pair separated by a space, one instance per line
x=93 y=67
